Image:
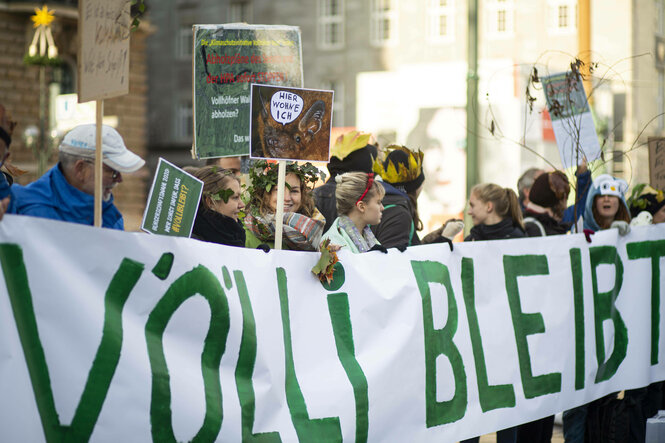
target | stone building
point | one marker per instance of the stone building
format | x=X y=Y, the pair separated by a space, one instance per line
x=20 y=93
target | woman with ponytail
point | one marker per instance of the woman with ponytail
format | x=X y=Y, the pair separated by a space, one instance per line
x=496 y=215
x=495 y=212
x=359 y=205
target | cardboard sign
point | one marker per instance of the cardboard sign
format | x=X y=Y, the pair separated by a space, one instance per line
x=173 y=201
x=571 y=117
x=104 y=28
x=657 y=162
x=227 y=59
x=291 y=123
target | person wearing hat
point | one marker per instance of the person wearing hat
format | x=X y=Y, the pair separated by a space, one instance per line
x=647 y=202
x=543 y=213
x=351 y=153
x=66 y=191
x=403 y=177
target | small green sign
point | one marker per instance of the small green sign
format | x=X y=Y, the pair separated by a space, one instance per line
x=173 y=201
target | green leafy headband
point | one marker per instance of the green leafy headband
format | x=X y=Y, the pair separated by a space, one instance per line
x=263 y=175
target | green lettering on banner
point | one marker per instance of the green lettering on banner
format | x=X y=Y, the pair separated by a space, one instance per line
x=604 y=308
x=525 y=324
x=490 y=396
x=321 y=429
x=653 y=250
x=578 y=300
x=198 y=281
x=245 y=368
x=338 y=306
x=105 y=361
x=438 y=342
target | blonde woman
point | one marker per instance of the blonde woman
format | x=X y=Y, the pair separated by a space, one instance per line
x=359 y=205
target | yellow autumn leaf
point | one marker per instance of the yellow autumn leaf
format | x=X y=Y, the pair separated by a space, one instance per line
x=348 y=143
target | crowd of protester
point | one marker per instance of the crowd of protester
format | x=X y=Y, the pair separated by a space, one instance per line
x=369 y=203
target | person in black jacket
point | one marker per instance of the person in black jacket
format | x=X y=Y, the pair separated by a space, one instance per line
x=351 y=153
x=496 y=215
x=217 y=217
x=403 y=177
x=547 y=202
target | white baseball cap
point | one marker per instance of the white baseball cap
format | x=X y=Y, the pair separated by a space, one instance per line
x=80 y=141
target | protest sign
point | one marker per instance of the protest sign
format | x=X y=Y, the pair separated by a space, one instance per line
x=103 y=56
x=571 y=117
x=290 y=123
x=227 y=59
x=657 y=162
x=139 y=338
x=172 y=202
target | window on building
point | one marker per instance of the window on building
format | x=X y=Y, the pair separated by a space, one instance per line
x=441 y=20
x=184 y=42
x=562 y=16
x=338 y=100
x=331 y=24
x=240 y=12
x=184 y=121
x=383 y=22
x=500 y=18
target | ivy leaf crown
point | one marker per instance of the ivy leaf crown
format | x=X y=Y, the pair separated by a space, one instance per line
x=263 y=177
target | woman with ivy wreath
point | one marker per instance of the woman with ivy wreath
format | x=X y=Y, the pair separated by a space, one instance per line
x=302 y=224
x=217 y=218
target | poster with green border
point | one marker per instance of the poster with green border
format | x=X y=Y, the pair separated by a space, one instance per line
x=227 y=60
x=172 y=202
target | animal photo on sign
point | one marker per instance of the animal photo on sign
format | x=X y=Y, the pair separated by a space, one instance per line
x=290 y=123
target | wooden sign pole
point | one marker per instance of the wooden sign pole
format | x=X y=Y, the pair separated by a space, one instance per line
x=279 y=212
x=98 y=163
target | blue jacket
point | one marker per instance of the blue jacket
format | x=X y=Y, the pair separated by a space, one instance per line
x=51 y=196
x=583 y=186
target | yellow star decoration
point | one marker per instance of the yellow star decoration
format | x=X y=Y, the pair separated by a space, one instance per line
x=42 y=17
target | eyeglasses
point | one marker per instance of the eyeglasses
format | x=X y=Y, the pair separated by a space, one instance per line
x=114 y=174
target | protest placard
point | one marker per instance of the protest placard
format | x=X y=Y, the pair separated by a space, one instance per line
x=152 y=338
x=657 y=162
x=572 y=122
x=103 y=56
x=291 y=123
x=172 y=202
x=227 y=59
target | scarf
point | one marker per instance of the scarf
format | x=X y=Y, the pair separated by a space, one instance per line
x=365 y=241
x=300 y=233
x=213 y=227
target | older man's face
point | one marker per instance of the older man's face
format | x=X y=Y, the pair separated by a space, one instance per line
x=110 y=179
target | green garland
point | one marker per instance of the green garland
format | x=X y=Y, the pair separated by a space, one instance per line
x=41 y=60
x=263 y=176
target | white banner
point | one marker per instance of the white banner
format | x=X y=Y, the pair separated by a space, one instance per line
x=114 y=336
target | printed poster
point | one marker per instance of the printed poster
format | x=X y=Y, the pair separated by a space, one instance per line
x=657 y=162
x=291 y=123
x=173 y=201
x=572 y=122
x=227 y=60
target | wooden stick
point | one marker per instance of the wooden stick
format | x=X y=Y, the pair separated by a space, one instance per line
x=98 y=164
x=279 y=212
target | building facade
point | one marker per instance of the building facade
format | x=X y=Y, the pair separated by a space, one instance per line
x=20 y=94
x=399 y=71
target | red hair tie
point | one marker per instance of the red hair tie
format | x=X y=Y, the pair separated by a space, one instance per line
x=370 y=181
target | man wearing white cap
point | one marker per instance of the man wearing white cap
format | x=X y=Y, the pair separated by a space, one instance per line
x=66 y=191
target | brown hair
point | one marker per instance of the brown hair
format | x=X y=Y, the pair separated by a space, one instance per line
x=504 y=200
x=622 y=213
x=262 y=199
x=214 y=179
x=350 y=187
